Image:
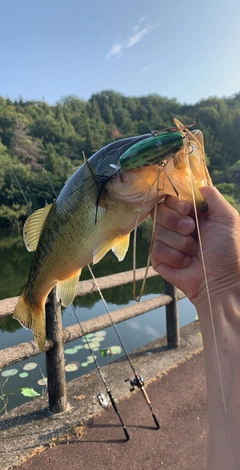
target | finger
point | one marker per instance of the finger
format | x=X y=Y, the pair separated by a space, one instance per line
x=173 y=220
x=218 y=208
x=163 y=254
x=185 y=244
x=182 y=207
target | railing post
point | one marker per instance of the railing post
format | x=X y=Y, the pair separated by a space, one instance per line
x=172 y=317
x=57 y=393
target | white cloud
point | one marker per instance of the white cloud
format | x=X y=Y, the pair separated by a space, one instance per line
x=147 y=67
x=115 y=50
x=118 y=48
x=137 y=37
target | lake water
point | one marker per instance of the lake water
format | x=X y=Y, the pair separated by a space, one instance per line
x=14 y=267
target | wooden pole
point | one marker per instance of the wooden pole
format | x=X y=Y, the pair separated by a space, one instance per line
x=172 y=317
x=55 y=356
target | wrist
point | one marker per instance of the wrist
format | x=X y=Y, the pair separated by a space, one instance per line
x=223 y=302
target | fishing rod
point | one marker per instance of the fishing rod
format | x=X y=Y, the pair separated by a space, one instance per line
x=101 y=398
x=137 y=381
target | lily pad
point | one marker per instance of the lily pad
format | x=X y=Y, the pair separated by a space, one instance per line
x=99 y=338
x=101 y=333
x=30 y=366
x=94 y=344
x=114 y=350
x=71 y=351
x=91 y=357
x=111 y=351
x=78 y=347
x=9 y=372
x=89 y=336
x=71 y=367
x=86 y=346
x=29 y=392
x=23 y=375
x=84 y=364
x=43 y=381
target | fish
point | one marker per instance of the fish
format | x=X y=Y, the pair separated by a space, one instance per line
x=96 y=210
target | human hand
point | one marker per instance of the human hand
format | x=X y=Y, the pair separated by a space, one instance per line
x=176 y=254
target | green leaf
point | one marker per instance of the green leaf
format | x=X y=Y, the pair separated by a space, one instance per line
x=23 y=375
x=104 y=352
x=114 y=350
x=71 y=367
x=42 y=381
x=80 y=346
x=71 y=351
x=9 y=372
x=29 y=392
x=30 y=366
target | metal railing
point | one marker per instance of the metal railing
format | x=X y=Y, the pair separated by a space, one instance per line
x=57 y=336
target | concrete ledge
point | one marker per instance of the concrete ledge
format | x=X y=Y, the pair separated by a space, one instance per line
x=32 y=426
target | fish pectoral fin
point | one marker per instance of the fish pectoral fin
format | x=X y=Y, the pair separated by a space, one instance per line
x=100 y=251
x=66 y=290
x=33 y=317
x=120 y=246
x=33 y=227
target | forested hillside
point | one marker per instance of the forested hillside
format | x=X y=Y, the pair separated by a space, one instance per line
x=42 y=144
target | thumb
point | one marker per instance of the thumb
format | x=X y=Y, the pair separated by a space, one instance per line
x=218 y=208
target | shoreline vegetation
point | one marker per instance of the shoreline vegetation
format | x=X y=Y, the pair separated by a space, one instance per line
x=42 y=145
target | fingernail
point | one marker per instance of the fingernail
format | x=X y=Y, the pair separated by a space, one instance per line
x=186 y=225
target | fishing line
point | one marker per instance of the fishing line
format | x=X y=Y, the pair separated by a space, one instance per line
x=157 y=180
x=211 y=311
x=19 y=185
x=49 y=181
x=138 y=379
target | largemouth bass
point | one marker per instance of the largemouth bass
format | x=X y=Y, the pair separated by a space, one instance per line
x=95 y=211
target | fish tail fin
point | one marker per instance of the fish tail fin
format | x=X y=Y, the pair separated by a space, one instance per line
x=32 y=316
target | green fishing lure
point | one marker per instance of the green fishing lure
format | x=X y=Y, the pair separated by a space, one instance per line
x=152 y=150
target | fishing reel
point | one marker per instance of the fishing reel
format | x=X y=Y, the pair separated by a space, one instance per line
x=136 y=382
x=103 y=401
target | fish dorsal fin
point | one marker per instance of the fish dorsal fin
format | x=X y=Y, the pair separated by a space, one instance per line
x=120 y=247
x=66 y=289
x=33 y=227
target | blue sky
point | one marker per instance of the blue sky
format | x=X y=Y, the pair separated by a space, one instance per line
x=183 y=49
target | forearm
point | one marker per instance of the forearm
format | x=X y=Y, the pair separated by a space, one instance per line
x=222 y=351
